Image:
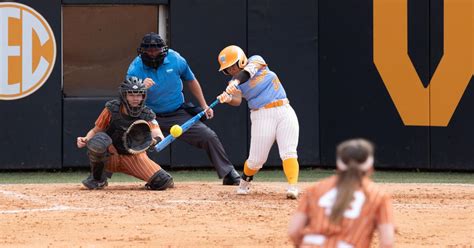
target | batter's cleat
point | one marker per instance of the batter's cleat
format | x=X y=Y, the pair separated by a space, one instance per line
x=232 y=178
x=292 y=192
x=244 y=187
x=91 y=183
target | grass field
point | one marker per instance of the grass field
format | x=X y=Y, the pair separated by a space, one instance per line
x=265 y=175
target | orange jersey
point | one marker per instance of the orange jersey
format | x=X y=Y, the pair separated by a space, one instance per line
x=138 y=165
x=370 y=208
x=104 y=118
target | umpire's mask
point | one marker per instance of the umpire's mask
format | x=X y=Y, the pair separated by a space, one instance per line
x=152 y=50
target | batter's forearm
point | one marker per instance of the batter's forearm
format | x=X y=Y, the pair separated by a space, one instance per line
x=236 y=100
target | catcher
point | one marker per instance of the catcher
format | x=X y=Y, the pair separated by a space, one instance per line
x=123 y=133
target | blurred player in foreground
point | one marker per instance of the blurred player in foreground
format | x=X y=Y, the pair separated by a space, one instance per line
x=344 y=210
x=270 y=112
x=105 y=142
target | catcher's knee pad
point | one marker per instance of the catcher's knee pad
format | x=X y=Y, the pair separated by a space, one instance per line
x=161 y=180
x=97 y=147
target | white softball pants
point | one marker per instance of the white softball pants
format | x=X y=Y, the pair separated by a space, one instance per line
x=268 y=125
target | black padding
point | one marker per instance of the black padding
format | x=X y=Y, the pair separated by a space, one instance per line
x=293 y=55
x=97 y=170
x=99 y=143
x=97 y=148
x=354 y=101
x=147 y=114
x=42 y=109
x=161 y=180
x=113 y=105
x=204 y=64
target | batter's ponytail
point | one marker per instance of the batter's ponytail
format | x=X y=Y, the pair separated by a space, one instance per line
x=354 y=160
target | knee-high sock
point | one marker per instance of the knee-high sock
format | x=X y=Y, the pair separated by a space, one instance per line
x=291 y=169
x=247 y=171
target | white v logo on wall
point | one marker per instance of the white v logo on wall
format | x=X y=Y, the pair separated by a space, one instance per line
x=27 y=51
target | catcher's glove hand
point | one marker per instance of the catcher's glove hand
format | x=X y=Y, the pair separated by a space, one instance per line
x=156 y=140
x=138 y=137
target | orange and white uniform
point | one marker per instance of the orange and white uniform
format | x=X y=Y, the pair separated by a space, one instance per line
x=139 y=165
x=370 y=208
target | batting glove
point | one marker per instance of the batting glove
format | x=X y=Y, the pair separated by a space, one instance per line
x=232 y=88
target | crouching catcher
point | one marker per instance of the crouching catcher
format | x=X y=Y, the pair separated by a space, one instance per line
x=118 y=141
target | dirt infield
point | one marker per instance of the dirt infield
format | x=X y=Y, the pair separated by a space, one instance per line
x=208 y=215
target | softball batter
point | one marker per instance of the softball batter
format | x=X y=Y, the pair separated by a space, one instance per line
x=271 y=115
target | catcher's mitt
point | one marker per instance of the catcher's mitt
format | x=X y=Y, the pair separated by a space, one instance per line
x=138 y=137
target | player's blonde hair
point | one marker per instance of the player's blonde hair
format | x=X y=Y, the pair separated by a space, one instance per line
x=354 y=161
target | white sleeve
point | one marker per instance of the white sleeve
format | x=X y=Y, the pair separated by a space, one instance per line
x=254 y=64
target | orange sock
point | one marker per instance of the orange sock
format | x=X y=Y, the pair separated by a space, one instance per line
x=291 y=169
x=247 y=171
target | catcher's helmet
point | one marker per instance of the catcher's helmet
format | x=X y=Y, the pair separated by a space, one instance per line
x=231 y=55
x=133 y=85
x=152 y=41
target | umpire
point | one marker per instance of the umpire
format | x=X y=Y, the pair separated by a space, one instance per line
x=164 y=71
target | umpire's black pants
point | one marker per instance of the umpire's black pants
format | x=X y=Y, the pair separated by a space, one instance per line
x=200 y=136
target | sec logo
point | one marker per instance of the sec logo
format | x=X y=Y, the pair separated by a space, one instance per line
x=27 y=51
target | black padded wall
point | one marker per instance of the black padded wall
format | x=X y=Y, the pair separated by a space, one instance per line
x=451 y=146
x=31 y=126
x=199 y=30
x=328 y=57
x=323 y=51
x=285 y=34
x=354 y=101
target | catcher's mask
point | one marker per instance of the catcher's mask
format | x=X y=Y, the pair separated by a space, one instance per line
x=231 y=55
x=134 y=86
x=152 y=50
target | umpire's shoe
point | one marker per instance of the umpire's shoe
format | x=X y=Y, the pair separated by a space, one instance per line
x=91 y=183
x=232 y=178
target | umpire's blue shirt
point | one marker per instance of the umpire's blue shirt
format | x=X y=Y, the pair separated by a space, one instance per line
x=167 y=94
